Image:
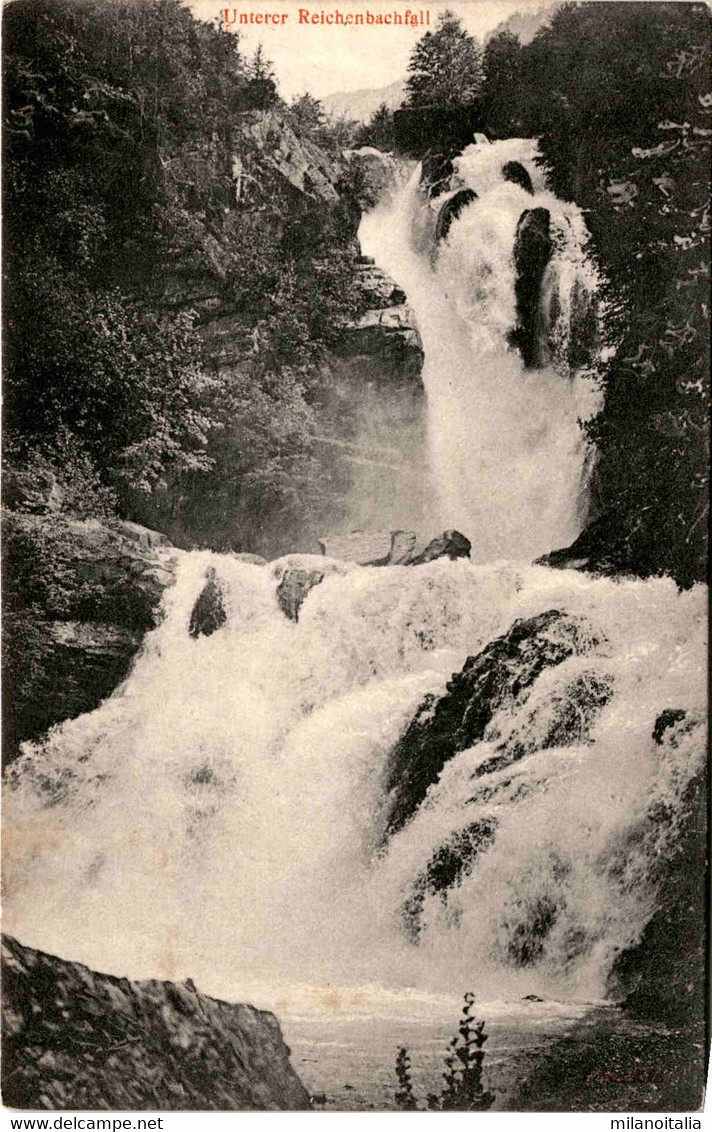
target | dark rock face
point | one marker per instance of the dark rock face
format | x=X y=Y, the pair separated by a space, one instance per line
x=383 y=345
x=79 y=596
x=662 y=977
x=75 y=1039
x=435 y=174
x=610 y=544
x=377 y=288
x=450 y=544
x=533 y=248
x=515 y=172
x=208 y=613
x=293 y=589
x=564 y=720
x=503 y=672
x=450 y=862
x=377 y=172
x=451 y=210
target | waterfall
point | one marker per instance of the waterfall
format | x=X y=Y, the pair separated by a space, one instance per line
x=224 y=814
x=505 y=446
x=228 y=814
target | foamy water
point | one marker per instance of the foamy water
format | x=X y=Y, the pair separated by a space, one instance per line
x=505 y=446
x=222 y=815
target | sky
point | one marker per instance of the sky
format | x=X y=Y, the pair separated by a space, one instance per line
x=327 y=59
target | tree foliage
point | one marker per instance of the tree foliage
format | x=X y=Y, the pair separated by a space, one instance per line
x=626 y=133
x=442 y=108
x=445 y=66
x=379 y=131
x=122 y=120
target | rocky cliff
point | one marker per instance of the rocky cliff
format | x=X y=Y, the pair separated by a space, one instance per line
x=75 y=1039
x=79 y=594
x=369 y=396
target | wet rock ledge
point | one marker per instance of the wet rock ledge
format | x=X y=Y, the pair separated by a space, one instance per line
x=74 y=1039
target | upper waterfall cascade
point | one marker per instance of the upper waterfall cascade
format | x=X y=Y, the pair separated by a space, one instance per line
x=507 y=457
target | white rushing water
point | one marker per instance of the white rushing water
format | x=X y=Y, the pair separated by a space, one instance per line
x=221 y=815
x=224 y=814
x=506 y=450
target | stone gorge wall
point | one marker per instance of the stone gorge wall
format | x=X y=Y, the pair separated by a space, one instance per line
x=75 y=1039
x=371 y=390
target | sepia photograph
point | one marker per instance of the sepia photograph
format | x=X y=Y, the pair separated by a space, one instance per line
x=354 y=555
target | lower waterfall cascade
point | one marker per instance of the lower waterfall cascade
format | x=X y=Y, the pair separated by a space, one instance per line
x=223 y=814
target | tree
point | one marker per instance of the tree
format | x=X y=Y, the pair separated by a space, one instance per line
x=502 y=82
x=308 y=114
x=262 y=86
x=446 y=66
x=378 y=131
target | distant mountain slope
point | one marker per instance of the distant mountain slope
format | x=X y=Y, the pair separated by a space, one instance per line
x=525 y=25
x=360 y=105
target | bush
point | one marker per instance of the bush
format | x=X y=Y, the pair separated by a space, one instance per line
x=463 y=1091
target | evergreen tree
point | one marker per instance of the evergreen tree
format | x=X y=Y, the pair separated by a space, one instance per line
x=446 y=66
x=378 y=131
x=502 y=66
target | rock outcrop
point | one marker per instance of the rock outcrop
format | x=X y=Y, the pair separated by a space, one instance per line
x=436 y=171
x=393 y=548
x=75 y=1039
x=208 y=614
x=504 y=672
x=661 y=977
x=296 y=575
x=377 y=172
x=36 y=492
x=515 y=172
x=79 y=597
x=450 y=544
x=294 y=587
x=451 y=210
x=533 y=247
x=450 y=862
x=368 y=548
x=271 y=158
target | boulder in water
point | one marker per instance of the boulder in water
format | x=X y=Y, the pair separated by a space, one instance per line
x=75 y=1039
x=450 y=544
x=451 y=210
x=368 y=548
x=504 y=672
x=563 y=719
x=402 y=546
x=533 y=247
x=515 y=172
x=251 y=559
x=393 y=548
x=294 y=587
x=208 y=614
